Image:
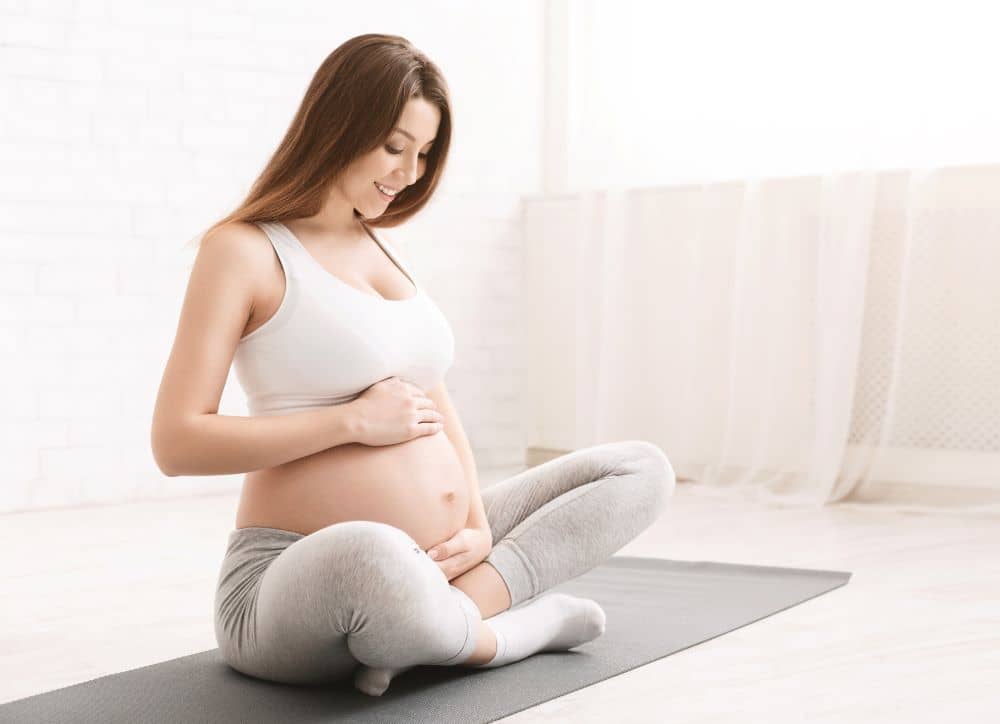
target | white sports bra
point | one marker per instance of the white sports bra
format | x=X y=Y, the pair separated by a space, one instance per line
x=329 y=341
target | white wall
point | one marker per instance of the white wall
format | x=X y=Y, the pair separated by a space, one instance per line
x=128 y=127
x=665 y=93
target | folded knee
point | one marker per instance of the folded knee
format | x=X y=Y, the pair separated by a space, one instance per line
x=656 y=468
x=399 y=558
x=371 y=552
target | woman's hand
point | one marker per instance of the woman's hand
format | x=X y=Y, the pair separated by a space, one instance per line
x=463 y=551
x=393 y=411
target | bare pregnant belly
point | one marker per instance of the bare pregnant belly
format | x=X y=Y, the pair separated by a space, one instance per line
x=418 y=486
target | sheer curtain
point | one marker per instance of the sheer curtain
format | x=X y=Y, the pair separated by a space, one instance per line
x=804 y=333
x=799 y=341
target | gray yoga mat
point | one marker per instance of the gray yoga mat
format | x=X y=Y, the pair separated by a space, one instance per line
x=655 y=607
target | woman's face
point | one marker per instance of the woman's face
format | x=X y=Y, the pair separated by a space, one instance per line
x=396 y=164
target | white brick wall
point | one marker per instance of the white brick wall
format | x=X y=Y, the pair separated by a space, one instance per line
x=128 y=127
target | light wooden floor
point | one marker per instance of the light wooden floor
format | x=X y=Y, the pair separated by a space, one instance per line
x=914 y=637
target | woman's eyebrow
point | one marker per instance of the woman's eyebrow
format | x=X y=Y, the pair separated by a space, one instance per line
x=411 y=136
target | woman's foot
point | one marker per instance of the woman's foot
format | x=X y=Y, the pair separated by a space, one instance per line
x=374 y=681
x=553 y=622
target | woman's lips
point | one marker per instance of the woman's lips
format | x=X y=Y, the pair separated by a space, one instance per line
x=384 y=196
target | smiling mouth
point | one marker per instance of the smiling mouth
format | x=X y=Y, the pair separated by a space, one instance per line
x=388 y=197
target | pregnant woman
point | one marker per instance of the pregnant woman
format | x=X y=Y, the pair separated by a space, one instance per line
x=357 y=466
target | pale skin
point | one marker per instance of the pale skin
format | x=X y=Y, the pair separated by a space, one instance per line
x=413 y=137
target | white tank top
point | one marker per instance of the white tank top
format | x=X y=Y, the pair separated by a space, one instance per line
x=328 y=341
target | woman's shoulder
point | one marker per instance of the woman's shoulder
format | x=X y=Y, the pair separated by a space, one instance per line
x=245 y=246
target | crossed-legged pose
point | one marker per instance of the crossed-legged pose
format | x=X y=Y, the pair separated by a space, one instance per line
x=356 y=463
x=309 y=608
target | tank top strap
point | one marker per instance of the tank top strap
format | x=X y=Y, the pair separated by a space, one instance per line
x=391 y=252
x=284 y=247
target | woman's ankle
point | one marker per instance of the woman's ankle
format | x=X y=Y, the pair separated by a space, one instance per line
x=486 y=646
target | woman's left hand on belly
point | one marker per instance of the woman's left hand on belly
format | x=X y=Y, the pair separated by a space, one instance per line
x=463 y=551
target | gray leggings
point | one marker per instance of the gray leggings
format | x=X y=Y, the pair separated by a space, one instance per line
x=307 y=609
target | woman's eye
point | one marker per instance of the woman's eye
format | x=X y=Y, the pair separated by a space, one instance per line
x=397 y=151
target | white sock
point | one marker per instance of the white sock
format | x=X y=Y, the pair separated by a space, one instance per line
x=552 y=622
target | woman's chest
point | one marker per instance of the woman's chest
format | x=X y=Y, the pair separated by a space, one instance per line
x=378 y=278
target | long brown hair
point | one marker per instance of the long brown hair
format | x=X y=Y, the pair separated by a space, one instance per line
x=352 y=104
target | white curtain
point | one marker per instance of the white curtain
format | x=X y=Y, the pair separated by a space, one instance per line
x=798 y=341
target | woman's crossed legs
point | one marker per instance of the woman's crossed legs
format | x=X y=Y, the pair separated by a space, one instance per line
x=308 y=609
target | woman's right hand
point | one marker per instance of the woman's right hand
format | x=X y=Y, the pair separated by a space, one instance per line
x=393 y=411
